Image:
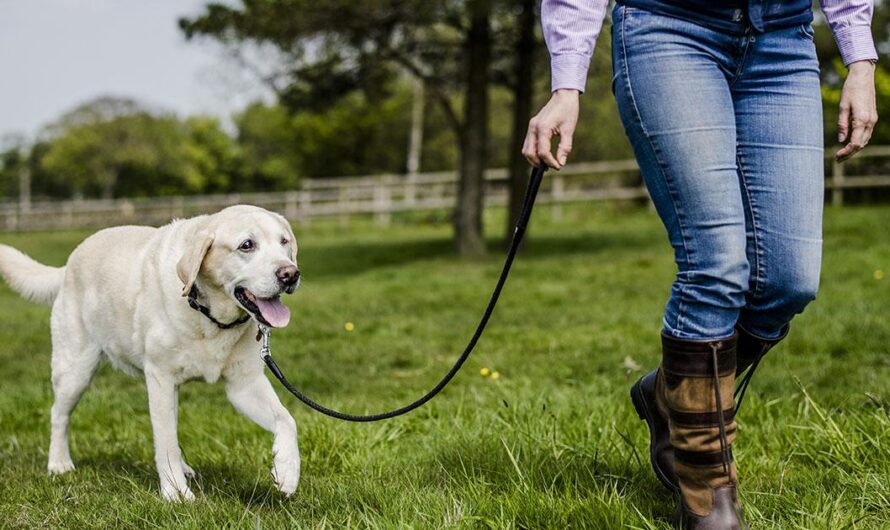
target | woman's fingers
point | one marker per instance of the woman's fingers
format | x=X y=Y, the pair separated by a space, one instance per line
x=564 y=149
x=545 y=146
x=862 y=125
x=530 y=146
x=843 y=123
x=537 y=145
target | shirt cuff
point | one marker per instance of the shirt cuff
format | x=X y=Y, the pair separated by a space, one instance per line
x=855 y=43
x=569 y=71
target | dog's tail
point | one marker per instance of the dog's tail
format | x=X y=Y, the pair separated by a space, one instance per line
x=32 y=280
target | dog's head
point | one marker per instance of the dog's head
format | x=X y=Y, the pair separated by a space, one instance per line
x=248 y=253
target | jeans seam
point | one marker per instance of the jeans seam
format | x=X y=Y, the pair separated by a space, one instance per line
x=755 y=229
x=661 y=170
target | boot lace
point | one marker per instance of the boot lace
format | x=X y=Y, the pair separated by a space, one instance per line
x=724 y=444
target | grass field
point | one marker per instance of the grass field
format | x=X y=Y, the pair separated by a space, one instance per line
x=552 y=443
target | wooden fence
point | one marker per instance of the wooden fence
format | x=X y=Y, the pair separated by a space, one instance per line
x=382 y=195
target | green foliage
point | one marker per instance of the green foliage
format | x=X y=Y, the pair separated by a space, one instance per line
x=133 y=152
x=11 y=162
x=350 y=137
x=268 y=147
x=553 y=443
x=213 y=159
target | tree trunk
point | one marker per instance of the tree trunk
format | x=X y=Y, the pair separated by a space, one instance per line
x=473 y=142
x=522 y=109
x=415 y=140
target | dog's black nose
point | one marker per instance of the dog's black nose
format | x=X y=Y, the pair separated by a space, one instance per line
x=288 y=275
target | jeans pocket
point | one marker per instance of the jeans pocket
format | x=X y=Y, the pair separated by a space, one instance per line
x=806 y=31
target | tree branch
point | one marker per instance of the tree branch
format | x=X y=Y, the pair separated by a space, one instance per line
x=433 y=85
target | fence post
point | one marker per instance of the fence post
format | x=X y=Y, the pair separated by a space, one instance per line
x=411 y=189
x=290 y=205
x=305 y=207
x=382 y=203
x=837 y=183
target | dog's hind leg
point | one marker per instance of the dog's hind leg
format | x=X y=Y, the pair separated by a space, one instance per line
x=74 y=363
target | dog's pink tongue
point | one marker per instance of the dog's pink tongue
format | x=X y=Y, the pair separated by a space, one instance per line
x=274 y=311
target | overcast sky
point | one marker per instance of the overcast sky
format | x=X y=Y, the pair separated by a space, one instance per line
x=55 y=54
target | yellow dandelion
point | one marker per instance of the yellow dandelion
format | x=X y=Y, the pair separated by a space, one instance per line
x=485 y=372
x=495 y=375
x=349 y=326
x=879 y=274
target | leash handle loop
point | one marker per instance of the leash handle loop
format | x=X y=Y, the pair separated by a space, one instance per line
x=531 y=194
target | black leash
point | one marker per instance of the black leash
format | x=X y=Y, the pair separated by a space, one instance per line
x=521 y=225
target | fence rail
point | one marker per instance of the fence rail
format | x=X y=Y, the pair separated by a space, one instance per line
x=383 y=195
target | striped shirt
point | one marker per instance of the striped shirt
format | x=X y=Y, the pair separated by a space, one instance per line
x=572 y=26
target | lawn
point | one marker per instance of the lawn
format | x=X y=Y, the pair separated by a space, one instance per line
x=553 y=442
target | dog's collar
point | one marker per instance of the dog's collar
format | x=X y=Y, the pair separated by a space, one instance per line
x=204 y=310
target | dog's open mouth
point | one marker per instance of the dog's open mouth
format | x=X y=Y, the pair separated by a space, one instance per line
x=269 y=311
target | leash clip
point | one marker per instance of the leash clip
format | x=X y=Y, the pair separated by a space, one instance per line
x=263 y=334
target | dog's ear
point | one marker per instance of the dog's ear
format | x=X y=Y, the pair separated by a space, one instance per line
x=190 y=263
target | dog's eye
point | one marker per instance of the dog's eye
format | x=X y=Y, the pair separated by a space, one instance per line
x=246 y=246
x=284 y=241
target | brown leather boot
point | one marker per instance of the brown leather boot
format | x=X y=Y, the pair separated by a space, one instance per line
x=647 y=395
x=698 y=380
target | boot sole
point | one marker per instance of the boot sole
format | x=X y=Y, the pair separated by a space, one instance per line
x=646 y=414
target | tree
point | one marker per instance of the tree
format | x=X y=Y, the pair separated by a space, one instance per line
x=13 y=161
x=335 y=47
x=523 y=92
x=110 y=147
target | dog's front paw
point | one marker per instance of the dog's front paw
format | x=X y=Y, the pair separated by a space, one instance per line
x=173 y=494
x=286 y=474
x=60 y=466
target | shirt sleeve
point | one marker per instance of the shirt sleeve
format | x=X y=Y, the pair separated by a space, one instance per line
x=570 y=31
x=850 y=22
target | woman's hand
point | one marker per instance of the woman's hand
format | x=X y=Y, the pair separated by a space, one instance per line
x=558 y=118
x=859 y=111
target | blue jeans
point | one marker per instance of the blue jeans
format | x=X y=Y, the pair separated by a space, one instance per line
x=727 y=130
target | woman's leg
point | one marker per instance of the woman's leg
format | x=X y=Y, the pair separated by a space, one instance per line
x=674 y=99
x=672 y=84
x=778 y=109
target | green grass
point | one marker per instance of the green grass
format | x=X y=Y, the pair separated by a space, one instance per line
x=552 y=443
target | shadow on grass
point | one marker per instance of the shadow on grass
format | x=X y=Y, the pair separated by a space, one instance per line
x=120 y=465
x=355 y=258
x=254 y=489
x=539 y=471
x=212 y=481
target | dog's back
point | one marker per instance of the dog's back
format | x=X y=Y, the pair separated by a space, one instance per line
x=109 y=248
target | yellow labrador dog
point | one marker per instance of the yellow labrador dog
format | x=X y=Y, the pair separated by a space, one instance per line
x=129 y=294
